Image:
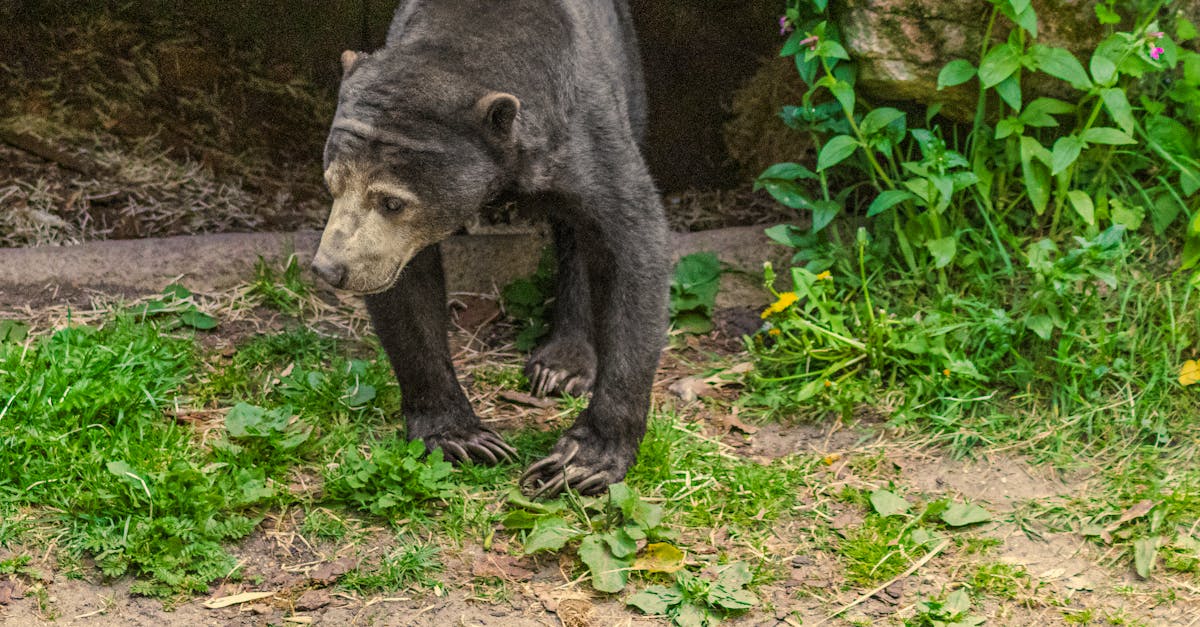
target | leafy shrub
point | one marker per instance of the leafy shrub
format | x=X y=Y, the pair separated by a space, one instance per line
x=694 y=292
x=394 y=480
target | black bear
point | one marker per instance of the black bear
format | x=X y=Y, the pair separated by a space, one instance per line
x=469 y=100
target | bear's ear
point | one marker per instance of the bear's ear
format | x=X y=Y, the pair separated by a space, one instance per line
x=350 y=59
x=498 y=113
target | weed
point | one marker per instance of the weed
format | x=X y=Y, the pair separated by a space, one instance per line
x=949 y=612
x=320 y=522
x=282 y=291
x=528 y=302
x=413 y=564
x=609 y=530
x=1000 y=580
x=393 y=480
x=694 y=292
x=696 y=601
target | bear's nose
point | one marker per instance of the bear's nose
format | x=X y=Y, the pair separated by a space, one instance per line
x=333 y=273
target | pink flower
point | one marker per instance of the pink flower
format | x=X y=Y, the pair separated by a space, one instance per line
x=1156 y=52
x=785 y=26
x=1156 y=35
x=810 y=42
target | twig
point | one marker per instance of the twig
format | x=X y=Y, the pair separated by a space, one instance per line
x=40 y=148
x=911 y=569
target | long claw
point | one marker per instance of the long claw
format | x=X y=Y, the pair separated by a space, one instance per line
x=550 y=488
x=538 y=381
x=482 y=451
x=552 y=384
x=591 y=483
x=556 y=459
x=456 y=450
x=498 y=445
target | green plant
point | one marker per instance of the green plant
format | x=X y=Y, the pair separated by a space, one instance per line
x=527 y=300
x=263 y=435
x=608 y=528
x=414 y=563
x=950 y=612
x=1046 y=163
x=695 y=601
x=393 y=480
x=694 y=292
x=177 y=305
x=283 y=291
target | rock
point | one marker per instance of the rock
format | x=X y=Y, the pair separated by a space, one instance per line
x=313 y=600
x=902 y=45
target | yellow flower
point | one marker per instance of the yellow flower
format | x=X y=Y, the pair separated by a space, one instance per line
x=828 y=383
x=773 y=332
x=946 y=372
x=786 y=300
x=1190 y=373
x=825 y=276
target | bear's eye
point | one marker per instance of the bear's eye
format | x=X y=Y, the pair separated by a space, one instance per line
x=393 y=204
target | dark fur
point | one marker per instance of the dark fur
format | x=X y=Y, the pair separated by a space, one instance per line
x=575 y=69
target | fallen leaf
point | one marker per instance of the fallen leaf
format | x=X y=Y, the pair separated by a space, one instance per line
x=1139 y=509
x=1190 y=373
x=245 y=597
x=312 y=600
x=329 y=572
x=690 y=388
x=300 y=620
x=659 y=557
x=522 y=398
x=505 y=567
x=733 y=422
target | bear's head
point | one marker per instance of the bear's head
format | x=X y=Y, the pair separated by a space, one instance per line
x=413 y=153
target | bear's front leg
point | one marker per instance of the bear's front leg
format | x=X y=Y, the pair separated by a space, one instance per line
x=623 y=241
x=411 y=321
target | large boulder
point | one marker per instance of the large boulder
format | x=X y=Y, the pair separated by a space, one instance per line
x=902 y=45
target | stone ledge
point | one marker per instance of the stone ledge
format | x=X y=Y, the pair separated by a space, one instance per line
x=474 y=263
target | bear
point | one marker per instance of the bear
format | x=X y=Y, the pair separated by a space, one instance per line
x=467 y=102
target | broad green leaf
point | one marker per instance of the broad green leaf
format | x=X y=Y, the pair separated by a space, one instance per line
x=1106 y=135
x=1163 y=212
x=360 y=395
x=886 y=200
x=520 y=519
x=887 y=503
x=1066 y=151
x=1185 y=30
x=735 y=575
x=1009 y=90
x=999 y=64
x=878 y=119
x=177 y=291
x=958 y=602
x=835 y=151
x=1144 y=552
x=13 y=331
x=1035 y=173
x=1105 y=14
x=962 y=514
x=1041 y=325
x=1060 y=63
x=824 y=211
x=656 y=600
x=1083 y=205
x=620 y=543
x=1039 y=112
x=943 y=250
x=1126 y=215
x=659 y=557
x=1009 y=126
x=609 y=574
x=788 y=235
x=198 y=320
x=954 y=73
x=551 y=533
x=844 y=93
x=735 y=599
x=1118 y=107
x=1104 y=71
x=787 y=171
